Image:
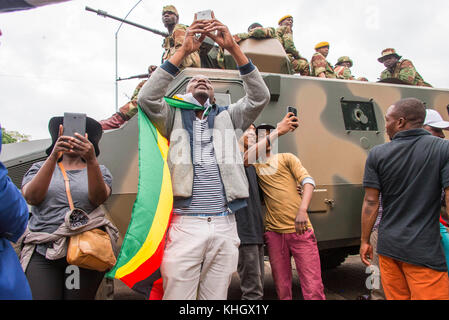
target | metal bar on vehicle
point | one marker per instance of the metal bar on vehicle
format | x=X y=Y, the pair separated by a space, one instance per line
x=106 y=15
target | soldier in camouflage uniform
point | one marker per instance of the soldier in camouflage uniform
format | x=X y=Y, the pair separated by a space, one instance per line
x=284 y=33
x=343 y=68
x=177 y=32
x=127 y=111
x=320 y=66
x=170 y=18
x=398 y=68
x=255 y=31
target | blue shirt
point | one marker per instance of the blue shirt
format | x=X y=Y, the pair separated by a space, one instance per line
x=13 y=221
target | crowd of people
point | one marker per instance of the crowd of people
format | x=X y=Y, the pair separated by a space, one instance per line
x=219 y=226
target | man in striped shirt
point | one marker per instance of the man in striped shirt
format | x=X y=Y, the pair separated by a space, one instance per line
x=206 y=166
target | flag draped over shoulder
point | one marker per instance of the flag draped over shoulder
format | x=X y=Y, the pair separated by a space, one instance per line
x=138 y=264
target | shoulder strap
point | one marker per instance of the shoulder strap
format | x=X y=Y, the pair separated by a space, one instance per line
x=67 y=186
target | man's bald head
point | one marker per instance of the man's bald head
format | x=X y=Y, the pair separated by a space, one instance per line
x=412 y=109
x=404 y=115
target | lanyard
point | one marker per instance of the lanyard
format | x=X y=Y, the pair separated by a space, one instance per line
x=67 y=186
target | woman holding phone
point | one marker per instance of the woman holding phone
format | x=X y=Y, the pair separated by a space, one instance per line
x=44 y=188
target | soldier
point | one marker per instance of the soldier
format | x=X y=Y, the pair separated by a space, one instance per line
x=284 y=33
x=398 y=68
x=177 y=32
x=343 y=68
x=255 y=31
x=320 y=66
x=127 y=111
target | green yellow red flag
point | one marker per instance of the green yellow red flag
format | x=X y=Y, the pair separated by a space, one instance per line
x=138 y=264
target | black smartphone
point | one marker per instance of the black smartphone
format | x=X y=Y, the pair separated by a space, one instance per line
x=74 y=122
x=292 y=109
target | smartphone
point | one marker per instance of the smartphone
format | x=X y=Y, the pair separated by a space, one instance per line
x=292 y=109
x=74 y=122
x=204 y=15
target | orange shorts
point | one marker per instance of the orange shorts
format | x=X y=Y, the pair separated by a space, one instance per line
x=404 y=281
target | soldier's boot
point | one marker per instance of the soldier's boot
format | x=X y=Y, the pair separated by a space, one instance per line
x=424 y=84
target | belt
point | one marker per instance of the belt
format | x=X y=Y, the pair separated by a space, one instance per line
x=222 y=214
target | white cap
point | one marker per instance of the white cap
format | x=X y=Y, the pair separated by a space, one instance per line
x=434 y=119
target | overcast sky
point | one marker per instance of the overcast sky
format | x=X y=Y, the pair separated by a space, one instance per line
x=61 y=58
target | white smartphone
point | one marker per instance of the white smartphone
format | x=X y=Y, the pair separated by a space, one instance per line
x=204 y=15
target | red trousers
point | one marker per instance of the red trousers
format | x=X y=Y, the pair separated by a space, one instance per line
x=303 y=248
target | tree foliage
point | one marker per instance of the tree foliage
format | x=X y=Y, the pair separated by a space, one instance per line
x=13 y=137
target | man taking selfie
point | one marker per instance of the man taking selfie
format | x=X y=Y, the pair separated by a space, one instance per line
x=288 y=231
x=206 y=166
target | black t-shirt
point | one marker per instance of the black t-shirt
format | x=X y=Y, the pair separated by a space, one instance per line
x=410 y=172
x=250 y=226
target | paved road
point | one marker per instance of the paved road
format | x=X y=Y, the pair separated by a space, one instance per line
x=345 y=282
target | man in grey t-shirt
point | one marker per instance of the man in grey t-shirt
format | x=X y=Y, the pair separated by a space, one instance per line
x=409 y=172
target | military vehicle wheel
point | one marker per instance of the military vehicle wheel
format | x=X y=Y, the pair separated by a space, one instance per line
x=332 y=258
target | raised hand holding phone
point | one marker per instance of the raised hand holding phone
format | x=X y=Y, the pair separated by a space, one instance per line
x=191 y=42
x=220 y=33
x=292 y=110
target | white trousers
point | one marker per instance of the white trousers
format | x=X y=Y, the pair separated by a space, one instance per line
x=201 y=254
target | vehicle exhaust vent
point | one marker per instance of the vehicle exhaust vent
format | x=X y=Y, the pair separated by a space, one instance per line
x=17 y=172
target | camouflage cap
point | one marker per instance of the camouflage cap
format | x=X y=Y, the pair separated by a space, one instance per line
x=322 y=45
x=254 y=26
x=170 y=8
x=344 y=59
x=284 y=17
x=388 y=52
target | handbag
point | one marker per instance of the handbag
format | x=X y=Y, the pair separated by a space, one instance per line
x=90 y=249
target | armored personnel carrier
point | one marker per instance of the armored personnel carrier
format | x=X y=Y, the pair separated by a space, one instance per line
x=340 y=121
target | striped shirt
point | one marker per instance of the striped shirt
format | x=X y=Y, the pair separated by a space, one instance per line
x=208 y=195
